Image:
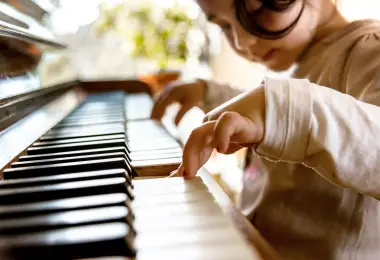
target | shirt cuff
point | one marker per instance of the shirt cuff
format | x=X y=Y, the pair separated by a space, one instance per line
x=288 y=114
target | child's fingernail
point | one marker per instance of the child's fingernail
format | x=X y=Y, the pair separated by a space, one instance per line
x=173 y=173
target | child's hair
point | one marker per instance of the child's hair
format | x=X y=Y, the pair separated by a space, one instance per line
x=249 y=20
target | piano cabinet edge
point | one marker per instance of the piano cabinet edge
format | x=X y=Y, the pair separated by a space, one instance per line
x=65 y=104
x=252 y=237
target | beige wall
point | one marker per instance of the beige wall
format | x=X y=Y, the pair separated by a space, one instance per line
x=230 y=68
x=360 y=9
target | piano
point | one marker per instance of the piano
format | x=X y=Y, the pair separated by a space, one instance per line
x=83 y=174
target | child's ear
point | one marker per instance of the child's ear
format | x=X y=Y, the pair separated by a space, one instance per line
x=17 y=57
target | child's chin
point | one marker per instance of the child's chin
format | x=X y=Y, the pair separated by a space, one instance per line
x=278 y=66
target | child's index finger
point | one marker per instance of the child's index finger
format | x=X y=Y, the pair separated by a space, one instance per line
x=198 y=148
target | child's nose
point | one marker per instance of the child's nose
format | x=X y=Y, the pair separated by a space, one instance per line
x=243 y=41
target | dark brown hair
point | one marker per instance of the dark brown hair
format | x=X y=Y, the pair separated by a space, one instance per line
x=249 y=19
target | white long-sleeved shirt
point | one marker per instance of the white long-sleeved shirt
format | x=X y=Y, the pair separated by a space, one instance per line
x=315 y=193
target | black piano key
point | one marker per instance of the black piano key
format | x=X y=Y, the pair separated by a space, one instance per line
x=93 y=128
x=117 y=149
x=99 y=105
x=61 y=205
x=29 y=163
x=99 y=240
x=86 y=131
x=87 y=123
x=79 y=134
x=80 y=139
x=66 y=219
x=61 y=178
x=76 y=146
x=107 y=118
x=84 y=122
x=105 y=97
x=113 y=114
x=115 y=111
x=65 y=190
x=119 y=108
x=81 y=130
x=101 y=113
x=91 y=108
x=61 y=168
x=69 y=159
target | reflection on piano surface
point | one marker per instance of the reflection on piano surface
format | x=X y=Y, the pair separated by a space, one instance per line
x=81 y=164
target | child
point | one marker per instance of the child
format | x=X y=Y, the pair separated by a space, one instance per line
x=317 y=134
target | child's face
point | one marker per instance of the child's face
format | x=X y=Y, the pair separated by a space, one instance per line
x=278 y=54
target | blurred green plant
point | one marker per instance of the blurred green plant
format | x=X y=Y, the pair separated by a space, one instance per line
x=160 y=36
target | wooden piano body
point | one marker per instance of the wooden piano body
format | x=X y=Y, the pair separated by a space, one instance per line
x=83 y=172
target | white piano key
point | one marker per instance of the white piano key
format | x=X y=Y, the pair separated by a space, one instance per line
x=193 y=209
x=219 y=251
x=142 y=190
x=179 y=223
x=169 y=199
x=167 y=181
x=156 y=162
x=178 y=237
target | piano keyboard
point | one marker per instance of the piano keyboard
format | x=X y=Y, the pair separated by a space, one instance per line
x=98 y=135
x=75 y=194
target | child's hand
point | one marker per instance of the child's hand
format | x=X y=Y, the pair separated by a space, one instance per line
x=236 y=124
x=188 y=95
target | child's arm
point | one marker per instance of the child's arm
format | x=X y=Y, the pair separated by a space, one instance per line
x=333 y=133
x=216 y=94
x=296 y=121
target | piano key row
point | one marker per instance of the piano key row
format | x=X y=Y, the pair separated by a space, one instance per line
x=146 y=145
x=73 y=194
x=78 y=176
x=178 y=217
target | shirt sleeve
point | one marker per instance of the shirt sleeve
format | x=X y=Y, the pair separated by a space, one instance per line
x=216 y=94
x=333 y=133
x=362 y=70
